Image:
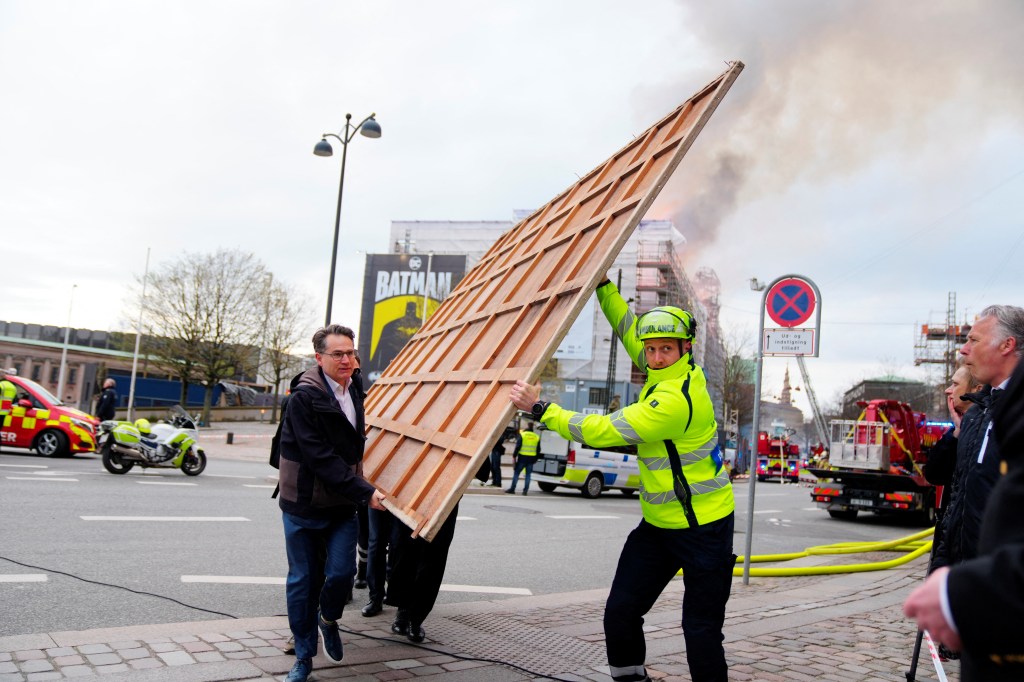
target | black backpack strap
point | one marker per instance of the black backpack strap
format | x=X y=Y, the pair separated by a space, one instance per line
x=275 y=452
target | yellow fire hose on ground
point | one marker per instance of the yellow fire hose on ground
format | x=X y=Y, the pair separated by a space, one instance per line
x=914 y=545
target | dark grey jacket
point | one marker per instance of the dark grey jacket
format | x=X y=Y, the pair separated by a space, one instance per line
x=986 y=595
x=321 y=451
x=972 y=481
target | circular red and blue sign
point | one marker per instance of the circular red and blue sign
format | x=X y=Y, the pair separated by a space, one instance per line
x=790 y=302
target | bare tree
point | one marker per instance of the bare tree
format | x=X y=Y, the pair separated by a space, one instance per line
x=174 y=324
x=232 y=314
x=287 y=318
x=205 y=316
x=737 y=378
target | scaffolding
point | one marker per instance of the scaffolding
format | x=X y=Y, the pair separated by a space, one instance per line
x=939 y=344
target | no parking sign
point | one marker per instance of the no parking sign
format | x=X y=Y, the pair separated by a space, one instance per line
x=791 y=302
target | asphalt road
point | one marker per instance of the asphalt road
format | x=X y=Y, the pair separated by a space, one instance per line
x=228 y=556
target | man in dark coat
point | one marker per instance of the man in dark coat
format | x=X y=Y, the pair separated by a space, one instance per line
x=106 y=406
x=321 y=484
x=978 y=606
x=991 y=354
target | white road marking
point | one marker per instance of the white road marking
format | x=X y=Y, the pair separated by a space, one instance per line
x=261 y=580
x=232 y=580
x=465 y=518
x=164 y=483
x=252 y=485
x=247 y=478
x=163 y=518
x=23 y=578
x=572 y=517
x=484 y=589
x=39 y=478
x=25 y=466
x=811 y=509
x=767 y=511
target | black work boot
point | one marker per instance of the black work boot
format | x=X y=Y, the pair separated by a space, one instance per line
x=361 y=575
x=400 y=626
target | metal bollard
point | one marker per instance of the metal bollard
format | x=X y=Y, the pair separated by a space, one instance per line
x=231 y=438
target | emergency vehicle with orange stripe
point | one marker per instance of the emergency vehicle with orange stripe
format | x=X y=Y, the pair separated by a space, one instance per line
x=39 y=421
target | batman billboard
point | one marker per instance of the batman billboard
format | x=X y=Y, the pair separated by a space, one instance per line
x=400 y=291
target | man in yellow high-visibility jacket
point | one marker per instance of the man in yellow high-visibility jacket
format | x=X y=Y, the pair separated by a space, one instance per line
x=524 y=456
x=685 y=495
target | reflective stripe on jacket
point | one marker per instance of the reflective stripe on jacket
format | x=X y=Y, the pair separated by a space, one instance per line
x=528 y=447
x=674 y=413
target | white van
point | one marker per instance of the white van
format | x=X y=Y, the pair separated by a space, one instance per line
x=574 y=465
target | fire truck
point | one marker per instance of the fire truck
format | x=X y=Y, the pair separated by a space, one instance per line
x=777 y=457
x=875 y=463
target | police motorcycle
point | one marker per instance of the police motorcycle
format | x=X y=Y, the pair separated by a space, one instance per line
x=172 y=444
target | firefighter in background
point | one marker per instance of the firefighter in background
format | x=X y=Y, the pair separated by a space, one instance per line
x=524 y=457
x=686 y=497
x=8 y=391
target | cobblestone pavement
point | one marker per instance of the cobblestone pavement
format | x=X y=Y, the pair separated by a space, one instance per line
x=842 y=628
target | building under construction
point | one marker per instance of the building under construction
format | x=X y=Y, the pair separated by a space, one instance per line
x=591 y=367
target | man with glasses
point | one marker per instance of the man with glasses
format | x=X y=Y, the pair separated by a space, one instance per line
x=321 y=487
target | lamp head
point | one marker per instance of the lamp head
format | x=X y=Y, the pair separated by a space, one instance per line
x=370 y=127
x=323 y=148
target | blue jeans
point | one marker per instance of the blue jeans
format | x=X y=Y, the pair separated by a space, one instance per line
x=649 y=560
x=303 y=539
x=521 y=464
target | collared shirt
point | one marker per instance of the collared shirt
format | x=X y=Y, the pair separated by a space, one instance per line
x=348 y=408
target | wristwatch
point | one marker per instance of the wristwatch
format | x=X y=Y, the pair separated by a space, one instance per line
x=539 y=408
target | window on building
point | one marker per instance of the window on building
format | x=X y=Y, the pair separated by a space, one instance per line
x=54 y=372
x=598 y=396
x=72 y=375
x=37 y=371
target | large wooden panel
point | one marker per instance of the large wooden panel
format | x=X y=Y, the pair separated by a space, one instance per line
x=439 y=406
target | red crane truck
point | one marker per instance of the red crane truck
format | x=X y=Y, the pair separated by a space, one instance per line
x=875 y=463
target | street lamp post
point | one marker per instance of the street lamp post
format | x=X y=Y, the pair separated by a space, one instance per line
x=64 y=352
x=368 y=128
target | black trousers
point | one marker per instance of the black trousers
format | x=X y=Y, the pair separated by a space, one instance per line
x=418 y=569
x=650 y=558
x=384 y=529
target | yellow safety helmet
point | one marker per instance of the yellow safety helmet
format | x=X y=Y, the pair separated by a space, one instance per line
x=665 y=322
x=143 y=426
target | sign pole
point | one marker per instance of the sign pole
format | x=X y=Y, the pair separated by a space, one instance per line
x=752 y=465
x=791 y=301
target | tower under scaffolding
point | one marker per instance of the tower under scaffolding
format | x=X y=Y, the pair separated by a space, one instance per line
x=939 y=344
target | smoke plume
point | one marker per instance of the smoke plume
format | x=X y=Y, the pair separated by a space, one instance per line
x=831 y=88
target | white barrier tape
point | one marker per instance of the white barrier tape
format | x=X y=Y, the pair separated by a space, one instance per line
x=933 y=650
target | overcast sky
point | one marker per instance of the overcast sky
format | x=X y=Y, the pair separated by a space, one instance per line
x=874 y=147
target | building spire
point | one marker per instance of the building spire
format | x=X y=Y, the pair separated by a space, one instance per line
x=785 y=399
